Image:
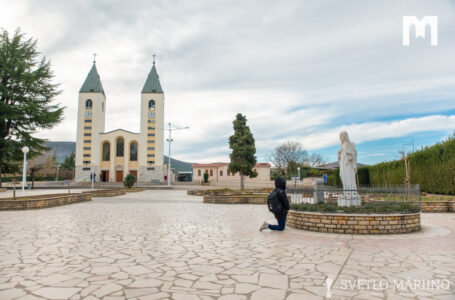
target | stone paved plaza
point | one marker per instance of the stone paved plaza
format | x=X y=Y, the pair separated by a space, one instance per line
x=167 y=245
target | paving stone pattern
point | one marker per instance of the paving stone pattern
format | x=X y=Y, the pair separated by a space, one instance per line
x=167 y=245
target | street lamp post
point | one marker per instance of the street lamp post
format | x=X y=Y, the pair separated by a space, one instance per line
x=298 y=169
x=93 y=174
x=25 y=150
x=170 y=140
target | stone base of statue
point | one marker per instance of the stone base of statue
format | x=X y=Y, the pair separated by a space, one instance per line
x=349 y=199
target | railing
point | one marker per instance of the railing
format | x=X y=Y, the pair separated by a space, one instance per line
x=380 y=199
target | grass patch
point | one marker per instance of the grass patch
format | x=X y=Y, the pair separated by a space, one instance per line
x=365 y=208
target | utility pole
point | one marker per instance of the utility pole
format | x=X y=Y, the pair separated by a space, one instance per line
x=170 y=140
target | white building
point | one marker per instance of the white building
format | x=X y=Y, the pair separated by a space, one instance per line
x=113 y=155
x=218 y=172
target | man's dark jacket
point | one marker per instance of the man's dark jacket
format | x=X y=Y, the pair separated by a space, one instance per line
x=280 y=188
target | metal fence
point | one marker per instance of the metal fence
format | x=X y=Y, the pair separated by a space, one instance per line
x=378 y=199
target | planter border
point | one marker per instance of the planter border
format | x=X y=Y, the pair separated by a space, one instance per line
x=354 y=223
x=43 y=202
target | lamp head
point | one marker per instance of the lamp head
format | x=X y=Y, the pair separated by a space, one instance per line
x=25 y=149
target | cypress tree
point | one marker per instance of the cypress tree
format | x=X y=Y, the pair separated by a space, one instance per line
x=243 y=157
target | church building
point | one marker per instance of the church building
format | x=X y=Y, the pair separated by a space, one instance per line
x=114 y=154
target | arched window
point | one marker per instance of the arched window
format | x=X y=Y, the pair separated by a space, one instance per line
x=133 y=151
x=198 y=172
x=88 y=103
x=120 y=147
x=106 y=151
x=152 y=104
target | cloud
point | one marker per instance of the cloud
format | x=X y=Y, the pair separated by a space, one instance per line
x=297 y=70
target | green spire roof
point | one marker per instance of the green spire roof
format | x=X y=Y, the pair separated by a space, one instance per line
x=152 y=84
x=92 y=83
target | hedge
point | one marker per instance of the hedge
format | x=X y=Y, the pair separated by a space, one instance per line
x=433 y=168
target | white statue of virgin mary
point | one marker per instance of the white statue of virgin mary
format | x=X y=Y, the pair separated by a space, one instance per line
x=347 y=159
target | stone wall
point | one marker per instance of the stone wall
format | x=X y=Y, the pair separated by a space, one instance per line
x=354 y=223
x=219 y=192
x=438 y=206
x=107 y=193
x=44 y=201
x=236 y=199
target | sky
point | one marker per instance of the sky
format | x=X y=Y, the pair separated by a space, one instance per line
x=299 y=70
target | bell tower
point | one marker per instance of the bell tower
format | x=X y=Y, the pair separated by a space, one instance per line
x=152 y=124
x=90 y=123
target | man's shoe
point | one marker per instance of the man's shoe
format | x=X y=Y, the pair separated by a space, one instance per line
x=264 y=226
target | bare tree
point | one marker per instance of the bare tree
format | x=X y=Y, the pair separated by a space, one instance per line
x=405 y=157
x=45 y=165
x=315 y=160
x=288 y=156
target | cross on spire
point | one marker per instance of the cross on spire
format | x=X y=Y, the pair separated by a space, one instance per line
x=153 y=58
x=94 y=58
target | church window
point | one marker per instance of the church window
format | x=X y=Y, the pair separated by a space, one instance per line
x=106 y=151
x=87 y=134
x=87 y=148
x=151 y=162
x=198 y=172
x=133 y=151
x=88 y=120
x=86 y=155
x=150 y=155
x=151 y=121
x=151 y=134
x=150 y=128
x=150 y=148
x=221 y=173
x=88 y=104
x=151 y=141
x=87 y=127
x=86 y=162
x=211 y=173
x=152 y=104
x=120 y=147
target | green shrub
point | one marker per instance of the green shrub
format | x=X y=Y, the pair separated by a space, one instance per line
x=129 y=181
x=206 y=177
x=365 y=208
x=363 y=174
x=333 y=178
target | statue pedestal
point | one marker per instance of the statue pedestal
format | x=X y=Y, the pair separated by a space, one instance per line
x=351 y=199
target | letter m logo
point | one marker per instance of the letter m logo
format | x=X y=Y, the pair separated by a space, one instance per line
x=420 y=28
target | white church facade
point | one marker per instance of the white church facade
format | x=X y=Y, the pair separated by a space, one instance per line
x=113 y=155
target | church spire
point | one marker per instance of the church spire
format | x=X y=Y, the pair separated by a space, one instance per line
x=152 y=84
x=92 y=83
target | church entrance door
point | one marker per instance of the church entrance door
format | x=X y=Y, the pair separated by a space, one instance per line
x=133 y=172
x=105 y=176
x=119 y=176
